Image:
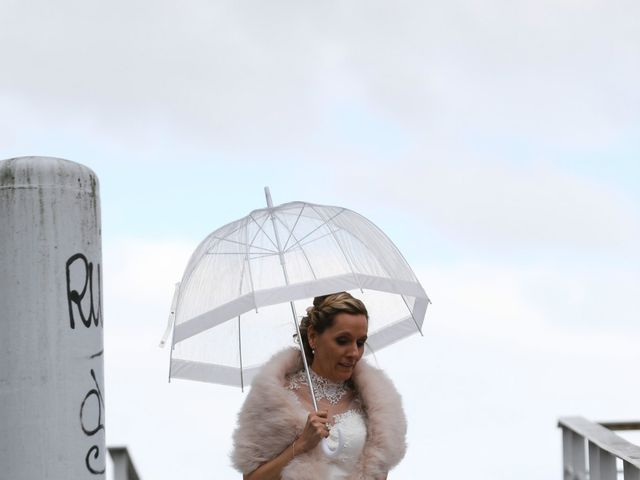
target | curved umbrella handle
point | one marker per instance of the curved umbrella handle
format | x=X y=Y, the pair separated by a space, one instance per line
x=328 y=451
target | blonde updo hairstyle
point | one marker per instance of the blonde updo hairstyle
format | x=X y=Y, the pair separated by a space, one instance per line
x=322 y=314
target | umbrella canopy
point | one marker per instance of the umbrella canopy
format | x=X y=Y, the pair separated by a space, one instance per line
x=232 y=308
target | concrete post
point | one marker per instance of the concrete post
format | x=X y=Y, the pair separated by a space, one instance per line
x=51 y=329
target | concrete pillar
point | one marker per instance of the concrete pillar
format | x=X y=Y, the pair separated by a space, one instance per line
x=51 y=343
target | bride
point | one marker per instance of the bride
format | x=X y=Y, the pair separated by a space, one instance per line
x=279 y=431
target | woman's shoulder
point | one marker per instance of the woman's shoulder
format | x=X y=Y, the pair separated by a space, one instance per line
x=366 y=375
x=375 y=389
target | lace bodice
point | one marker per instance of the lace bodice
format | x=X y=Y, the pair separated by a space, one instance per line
x=345 y=413
x=353 y=427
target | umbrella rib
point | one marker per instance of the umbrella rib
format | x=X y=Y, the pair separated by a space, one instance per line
x=236 y=228
x=317 y=228
x=255 y=254
x=243 y=244
x=293 y=228
x=240 y=350
x=229 y=253
x=255 y=235
x=392 y=279
x=346 y=257
x=295 y=245
x=245 y=265
x=265 y=233
x=248 y=261
x=301 y=249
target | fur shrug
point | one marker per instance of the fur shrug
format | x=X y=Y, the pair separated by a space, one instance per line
x=272 y=417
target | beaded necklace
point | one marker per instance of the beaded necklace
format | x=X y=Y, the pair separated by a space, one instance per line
x=322 y=387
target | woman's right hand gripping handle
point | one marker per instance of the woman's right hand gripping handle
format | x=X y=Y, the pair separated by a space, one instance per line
x=316 y=428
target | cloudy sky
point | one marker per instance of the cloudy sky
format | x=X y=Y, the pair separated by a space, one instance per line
x=497 y=143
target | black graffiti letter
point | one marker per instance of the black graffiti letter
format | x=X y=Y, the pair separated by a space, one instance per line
x=96 y=452
x=75 y=297
x=91 y=429
x=98 y=396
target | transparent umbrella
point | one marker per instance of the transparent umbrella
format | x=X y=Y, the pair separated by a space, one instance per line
x=238 y=299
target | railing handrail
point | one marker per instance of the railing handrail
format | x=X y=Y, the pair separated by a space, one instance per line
x=622 y=425
x=604 y=438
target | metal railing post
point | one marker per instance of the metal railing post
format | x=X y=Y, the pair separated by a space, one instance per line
x=567 y=465
x=123 y=468
x=602 y=465
x=608 y=469
x=578 y=457
x=594 y=462
x=631 y=472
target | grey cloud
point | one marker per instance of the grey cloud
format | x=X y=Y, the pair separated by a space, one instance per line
x=243 y=72
x=499 y=206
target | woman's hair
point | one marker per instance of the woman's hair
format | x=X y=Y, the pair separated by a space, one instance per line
x=321 y=315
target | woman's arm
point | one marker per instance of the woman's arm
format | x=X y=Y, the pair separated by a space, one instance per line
x=272 y=469
x=314 y=431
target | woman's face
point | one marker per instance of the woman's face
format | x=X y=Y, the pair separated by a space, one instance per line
x=339 y=347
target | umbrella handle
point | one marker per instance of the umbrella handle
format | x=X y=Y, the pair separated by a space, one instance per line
x=328 y=451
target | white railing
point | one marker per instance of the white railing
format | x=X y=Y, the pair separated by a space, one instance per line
x=123 y=468
x=591 y=451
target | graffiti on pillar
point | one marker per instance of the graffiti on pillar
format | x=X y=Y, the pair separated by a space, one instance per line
x=92 y=420
x=84 y=295
x=83 y=302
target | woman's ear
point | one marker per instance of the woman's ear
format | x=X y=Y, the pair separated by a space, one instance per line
x=312 y=336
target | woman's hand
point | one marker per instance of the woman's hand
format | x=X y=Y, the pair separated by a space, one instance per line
x=316 y=429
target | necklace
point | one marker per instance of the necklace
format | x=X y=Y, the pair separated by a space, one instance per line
x=322 y=387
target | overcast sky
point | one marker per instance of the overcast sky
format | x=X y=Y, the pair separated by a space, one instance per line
x=497 y=143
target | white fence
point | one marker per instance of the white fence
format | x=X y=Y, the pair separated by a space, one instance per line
x=592 y=451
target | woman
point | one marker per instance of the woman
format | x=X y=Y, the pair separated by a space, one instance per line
x=278 y=430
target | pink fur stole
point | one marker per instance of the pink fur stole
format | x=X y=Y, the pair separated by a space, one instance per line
x=272 y=417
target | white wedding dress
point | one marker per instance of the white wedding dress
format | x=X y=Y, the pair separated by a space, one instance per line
x=345 y=414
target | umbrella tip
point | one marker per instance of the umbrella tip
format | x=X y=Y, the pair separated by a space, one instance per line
x=267 y=194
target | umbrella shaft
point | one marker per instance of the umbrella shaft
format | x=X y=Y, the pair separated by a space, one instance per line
x=293 y=307
x=304 y=357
